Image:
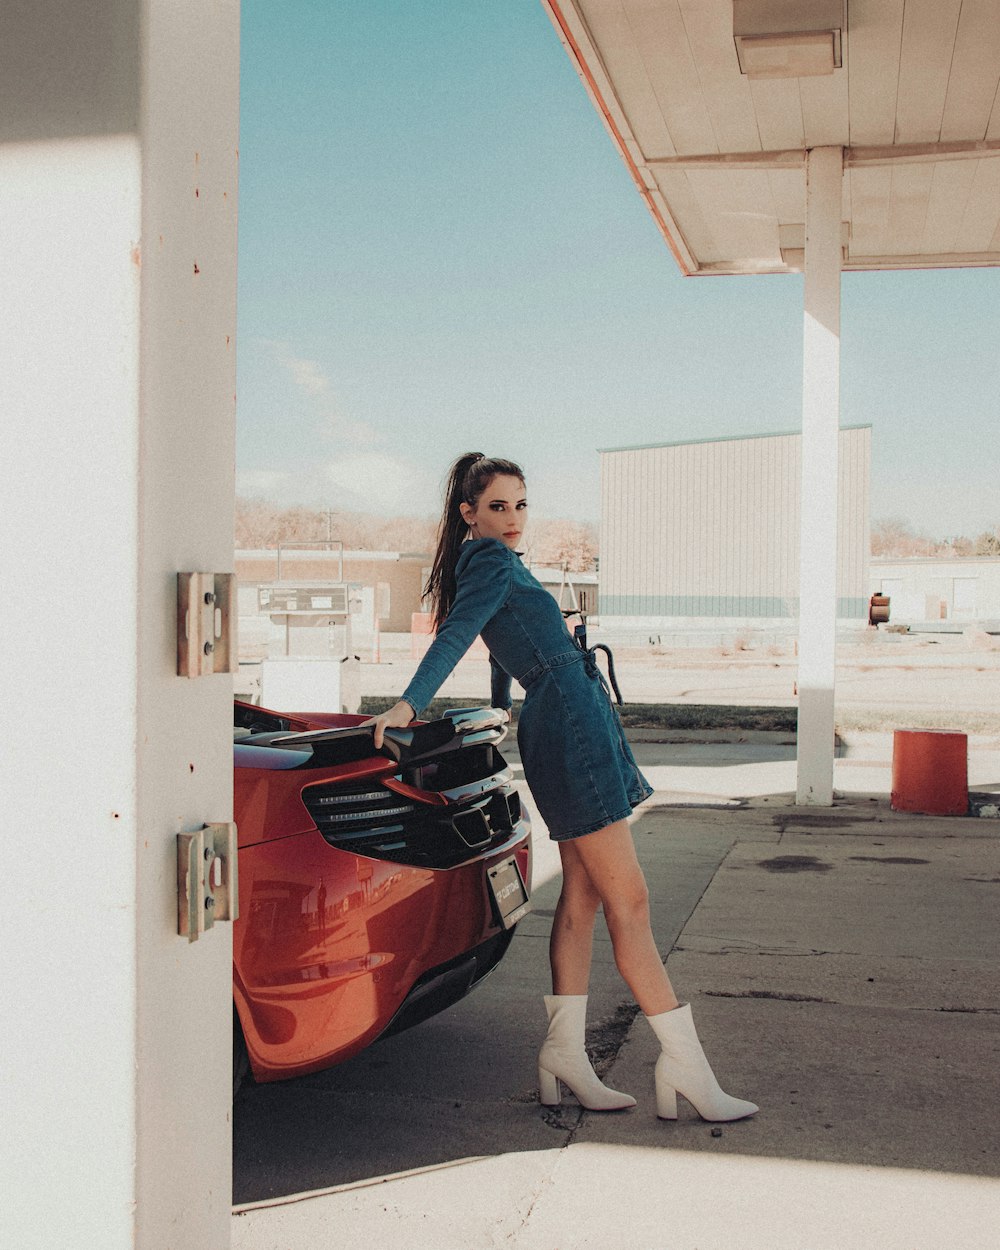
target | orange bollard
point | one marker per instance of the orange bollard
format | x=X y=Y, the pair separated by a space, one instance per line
x=930 y=772
x=421 y=633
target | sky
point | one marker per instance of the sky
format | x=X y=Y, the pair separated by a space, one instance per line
x=440 y=250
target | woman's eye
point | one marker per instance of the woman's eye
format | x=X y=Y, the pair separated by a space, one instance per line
x=521 y=506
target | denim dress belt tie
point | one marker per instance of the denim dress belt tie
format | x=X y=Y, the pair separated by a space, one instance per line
x=589 y=663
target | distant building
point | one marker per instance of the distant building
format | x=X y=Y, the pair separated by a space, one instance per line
x=706 y=534
x=962 y=590
x=395 y=578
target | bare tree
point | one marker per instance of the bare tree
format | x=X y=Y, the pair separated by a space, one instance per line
x=987 y=544
x=894 y=536
x=262 y=524
x=564 y=542
x=961 y=546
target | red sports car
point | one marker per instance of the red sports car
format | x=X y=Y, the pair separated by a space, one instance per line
x=375 y=887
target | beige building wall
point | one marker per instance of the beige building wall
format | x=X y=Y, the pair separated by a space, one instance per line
x=403 y=572
x=708 y=531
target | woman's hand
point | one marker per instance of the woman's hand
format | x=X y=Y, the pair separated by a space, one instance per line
x=397 y=717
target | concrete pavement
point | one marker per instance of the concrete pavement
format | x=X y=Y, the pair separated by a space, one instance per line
x=843 y=968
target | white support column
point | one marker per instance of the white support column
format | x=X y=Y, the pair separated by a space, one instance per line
x=118 y=137
x=818 y=516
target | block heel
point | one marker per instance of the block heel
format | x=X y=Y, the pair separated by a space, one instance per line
x=548 y=1088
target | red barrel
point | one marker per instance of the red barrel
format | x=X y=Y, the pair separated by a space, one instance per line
x=930 y=772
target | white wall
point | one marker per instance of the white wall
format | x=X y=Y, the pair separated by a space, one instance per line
x=117 y=395
x=963 y=589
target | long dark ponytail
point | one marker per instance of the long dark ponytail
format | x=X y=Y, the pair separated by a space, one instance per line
x=468 y=477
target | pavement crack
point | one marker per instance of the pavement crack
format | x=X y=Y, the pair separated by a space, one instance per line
x=784 y=954
x=606 y=1037
x=723 y=946
x=785 y=998
x=563 y=1119
x=679 y=933
x=514 y=1236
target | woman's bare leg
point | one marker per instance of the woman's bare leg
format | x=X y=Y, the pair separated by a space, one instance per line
x=603 y=868
x=604 y=864
x=563 y=1056
x=572 y=939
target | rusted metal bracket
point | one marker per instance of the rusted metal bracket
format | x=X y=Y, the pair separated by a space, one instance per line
x=206 y=624
x=207 y=879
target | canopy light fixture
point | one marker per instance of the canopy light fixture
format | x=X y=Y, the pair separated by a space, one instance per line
x=788 y=38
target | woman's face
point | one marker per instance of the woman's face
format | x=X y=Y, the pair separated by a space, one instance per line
x=500 y=512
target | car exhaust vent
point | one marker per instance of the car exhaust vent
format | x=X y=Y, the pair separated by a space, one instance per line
x=473 y=828
x=513 y=803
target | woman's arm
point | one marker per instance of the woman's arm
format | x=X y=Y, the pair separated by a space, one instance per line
x=484 y=585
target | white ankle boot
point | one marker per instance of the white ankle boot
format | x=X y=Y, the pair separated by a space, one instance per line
x=682 y=1068
x=564 y=1058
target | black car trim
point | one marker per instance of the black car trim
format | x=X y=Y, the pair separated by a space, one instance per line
x=459 y=794
x=461 y=727
x=446 y=984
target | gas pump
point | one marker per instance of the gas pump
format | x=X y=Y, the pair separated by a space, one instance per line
x=310 y=665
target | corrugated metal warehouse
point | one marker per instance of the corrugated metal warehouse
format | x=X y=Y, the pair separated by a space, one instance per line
x=706 y=534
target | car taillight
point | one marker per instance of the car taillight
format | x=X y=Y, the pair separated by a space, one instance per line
x=343 y=812
x=374 y=821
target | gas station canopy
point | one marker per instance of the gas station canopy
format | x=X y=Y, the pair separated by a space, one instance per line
x=714 y=104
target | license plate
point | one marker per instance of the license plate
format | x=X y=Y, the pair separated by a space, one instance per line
x=509 y=893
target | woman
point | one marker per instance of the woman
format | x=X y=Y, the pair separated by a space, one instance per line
x=582 y=776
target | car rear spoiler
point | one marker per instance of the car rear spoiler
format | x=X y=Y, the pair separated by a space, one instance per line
x=457 y=728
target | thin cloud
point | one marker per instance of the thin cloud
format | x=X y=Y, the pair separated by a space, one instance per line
x=309 y=377
x=355 y=481
x=374 y=481
x=339 y=430
x=262 y=483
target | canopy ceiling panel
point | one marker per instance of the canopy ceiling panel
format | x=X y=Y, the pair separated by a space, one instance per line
x=720 y=156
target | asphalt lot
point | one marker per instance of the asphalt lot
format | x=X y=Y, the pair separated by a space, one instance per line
x=843 y=966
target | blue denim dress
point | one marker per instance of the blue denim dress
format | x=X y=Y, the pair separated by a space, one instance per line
x=577 y=763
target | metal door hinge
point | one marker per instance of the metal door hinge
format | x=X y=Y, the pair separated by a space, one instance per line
x=206 y=624
x=207 y=879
